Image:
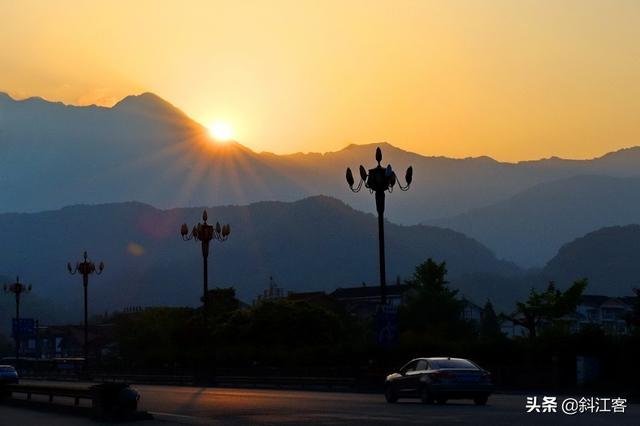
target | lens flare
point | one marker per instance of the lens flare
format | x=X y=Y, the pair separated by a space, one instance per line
x=221 y=132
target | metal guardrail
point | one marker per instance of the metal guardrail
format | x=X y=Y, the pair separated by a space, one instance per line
x=107 y=399
x=75 y=392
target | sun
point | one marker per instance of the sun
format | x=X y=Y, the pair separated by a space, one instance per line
x=221 y=132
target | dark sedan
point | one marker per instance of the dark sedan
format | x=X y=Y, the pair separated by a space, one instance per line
x=438 y=380
x=8 y=374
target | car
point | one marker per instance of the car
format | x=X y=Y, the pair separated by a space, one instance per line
x=8 y=374
x=438 y=380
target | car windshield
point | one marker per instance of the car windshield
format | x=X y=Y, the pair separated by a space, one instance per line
x=439 y=364
x=7 y=370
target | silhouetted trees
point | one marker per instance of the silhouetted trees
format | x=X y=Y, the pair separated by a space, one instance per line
x=489 y=323
x=6 y=346
x=432 y=309
x=633 y=319
x=547 y=307
x=272 y=332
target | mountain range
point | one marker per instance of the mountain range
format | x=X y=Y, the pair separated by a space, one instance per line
x=318 y=243
x=531 y=226
x=117 y=162
x=145 y=149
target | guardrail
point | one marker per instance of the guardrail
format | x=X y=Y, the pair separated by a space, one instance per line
x=75 y=392
x=107 y=399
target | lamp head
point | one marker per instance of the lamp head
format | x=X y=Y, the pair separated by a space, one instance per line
x=350 y=180
x=363 y=173
x=378 y=155
x=409 y=175
x=184 y=230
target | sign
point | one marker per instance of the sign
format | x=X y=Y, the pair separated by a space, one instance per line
x=27 y=327
x=387 y=327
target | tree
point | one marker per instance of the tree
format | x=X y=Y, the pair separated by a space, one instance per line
x=547 y=306
x=489 y=324
x=222 y=301
x=431 y=305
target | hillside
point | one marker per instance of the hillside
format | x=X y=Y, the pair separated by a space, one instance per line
x=608 y=257
x=313 y=244
x=530 y=227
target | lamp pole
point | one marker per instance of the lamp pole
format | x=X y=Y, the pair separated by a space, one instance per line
x=205 y=233
x=379 y=180
x=85 y=268
x=17 y=289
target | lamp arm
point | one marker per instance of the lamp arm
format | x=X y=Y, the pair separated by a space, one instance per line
x=357 y=188
x=402 y=188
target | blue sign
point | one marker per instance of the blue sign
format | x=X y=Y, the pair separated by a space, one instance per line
x=387 y=327
x=27 y=327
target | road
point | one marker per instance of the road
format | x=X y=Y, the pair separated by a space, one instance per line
x=227 y=406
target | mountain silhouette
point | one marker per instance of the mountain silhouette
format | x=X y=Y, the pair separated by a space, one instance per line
x=608 y=257
x=531 y=226
x=317 y=243
x=145 y=149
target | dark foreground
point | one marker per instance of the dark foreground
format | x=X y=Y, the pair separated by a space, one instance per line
x=227 y=406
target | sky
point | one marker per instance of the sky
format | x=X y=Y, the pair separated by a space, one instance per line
x=510 y=79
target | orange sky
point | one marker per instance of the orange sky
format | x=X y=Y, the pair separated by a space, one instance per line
x=510 y=79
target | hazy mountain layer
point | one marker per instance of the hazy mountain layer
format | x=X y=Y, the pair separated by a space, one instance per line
x=608 y=257
x=144 y=149
x=530 y=227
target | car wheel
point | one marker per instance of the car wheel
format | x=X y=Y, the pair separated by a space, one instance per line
x=390 y=395
x=426 y=396
x=441 y=401
x=481 y=400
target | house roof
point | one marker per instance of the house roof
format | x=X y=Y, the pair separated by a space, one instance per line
x=593 y=299
x=307 y=295
x=369 y=291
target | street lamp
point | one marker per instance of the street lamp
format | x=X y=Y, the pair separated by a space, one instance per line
x=204 y=233
x=85 y=268
x=17 y=289
x=379 y=180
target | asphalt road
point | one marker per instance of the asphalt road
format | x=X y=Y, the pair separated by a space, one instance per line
x=227 y=406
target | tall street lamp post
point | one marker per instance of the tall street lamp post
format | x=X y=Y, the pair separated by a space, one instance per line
x=204 y=233
x=17 y=289
x=85 y=268
x=379 y=180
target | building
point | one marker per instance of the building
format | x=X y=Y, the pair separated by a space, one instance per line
x=471 y=312
x=63 y=341
x=363 y=301
x=272 y=292
x=610 y=313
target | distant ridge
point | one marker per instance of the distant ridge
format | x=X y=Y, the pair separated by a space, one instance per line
x=304 y=244
x=531 y=226
x=608 y=257
x=146 y=149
